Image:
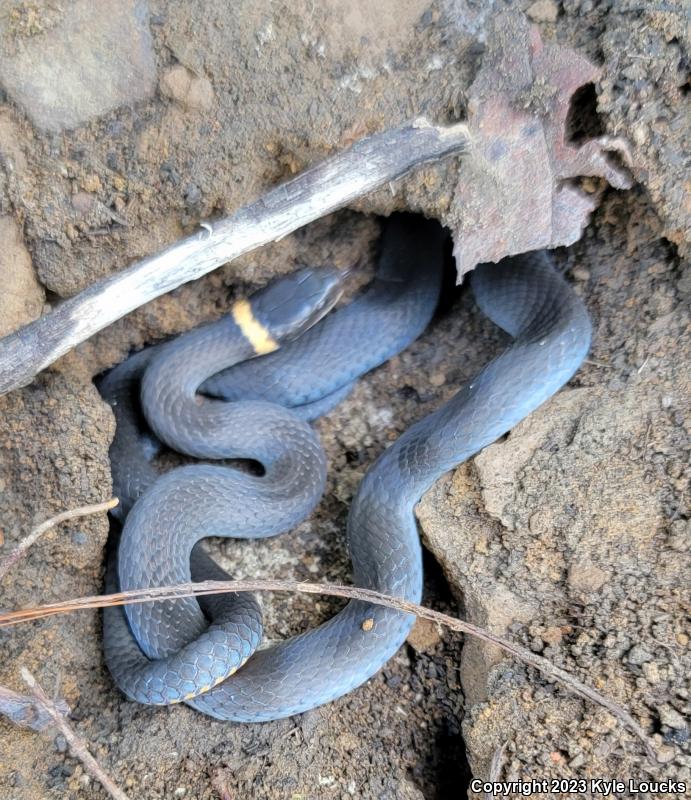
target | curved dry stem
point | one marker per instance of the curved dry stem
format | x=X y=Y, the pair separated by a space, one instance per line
x=9 y=560
x=57 y=715
x=349 y=592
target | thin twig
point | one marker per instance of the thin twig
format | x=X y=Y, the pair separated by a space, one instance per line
x=495 y=768
x=9 y=560
x=77 y=744
x=340 y=179
x=349 y=592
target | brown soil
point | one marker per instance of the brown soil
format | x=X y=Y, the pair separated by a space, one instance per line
x=572 y=533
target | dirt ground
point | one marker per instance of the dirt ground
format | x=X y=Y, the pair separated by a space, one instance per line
x=572 y=535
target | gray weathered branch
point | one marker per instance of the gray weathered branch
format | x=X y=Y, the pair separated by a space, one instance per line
x=332 y=184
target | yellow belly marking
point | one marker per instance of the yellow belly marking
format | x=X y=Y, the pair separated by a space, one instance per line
x=255 y=333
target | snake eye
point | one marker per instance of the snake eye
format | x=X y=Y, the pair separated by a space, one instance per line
x=291 y=305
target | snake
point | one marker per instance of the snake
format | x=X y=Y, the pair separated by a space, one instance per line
x=247 y=387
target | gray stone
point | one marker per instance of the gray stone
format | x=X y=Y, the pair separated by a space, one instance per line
x=88 y=59
x=638 y=655
x=543 y=11
x=672 y=718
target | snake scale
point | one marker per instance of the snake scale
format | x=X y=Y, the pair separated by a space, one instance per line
x=206 y=395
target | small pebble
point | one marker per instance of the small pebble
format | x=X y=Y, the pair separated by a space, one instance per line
x=671 y=717
x=677 y=735
x=640 y=135
x=79 y=537
x=552 y=635
x=543 y=11
x=638 y=655
x=91 y=183
x=393 y=680
x=651 y=672
x=192 y=92
x=193 y=195
x=424 y=636
x=665 y=754
x=83 y=202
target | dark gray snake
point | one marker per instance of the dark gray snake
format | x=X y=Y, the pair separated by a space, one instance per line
x=168 y=651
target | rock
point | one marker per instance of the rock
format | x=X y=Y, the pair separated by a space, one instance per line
x=11 y=151
x=21 y=299
x=552 y=635
x=671 y=717
x=581 y=274
x=651 y=672
x=493 y=607
x=190 y=91
x=92 y=184
x=638 y=655
x=499 y=465
x=585 y=577
x=543 y=11
x=425 y=636
x=680 y=535
x=83 y=202
x=561 y=515
x=93 y=57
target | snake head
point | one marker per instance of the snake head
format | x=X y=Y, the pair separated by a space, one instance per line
x=289 y=306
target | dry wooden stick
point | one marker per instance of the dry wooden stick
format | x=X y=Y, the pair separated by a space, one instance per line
x=332 y=184
x=349 y=592
x=26 y=711
x=76 y=743
x=9 y=560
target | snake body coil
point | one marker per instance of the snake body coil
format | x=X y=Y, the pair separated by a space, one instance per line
x=167 y=652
